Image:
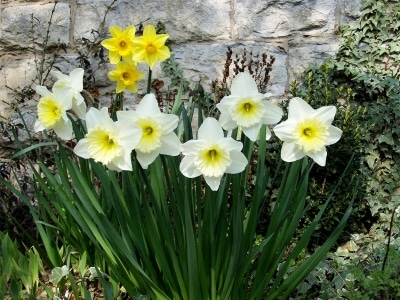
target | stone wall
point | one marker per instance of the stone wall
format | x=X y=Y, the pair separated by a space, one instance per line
x=296 y=32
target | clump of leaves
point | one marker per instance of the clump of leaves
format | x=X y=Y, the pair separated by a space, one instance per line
x=367 y=66
x=320 y=89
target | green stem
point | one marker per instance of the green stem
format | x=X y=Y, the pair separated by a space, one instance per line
x=149 y=82
x=208 y=198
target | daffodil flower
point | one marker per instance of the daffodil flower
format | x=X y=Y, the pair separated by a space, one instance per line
x=306 y=132
x=127 y=75
x=246 y=108
x=157 y=130
x=108 y=142
x=120 y=44
x=151 y=47
x=73 y=81
x=52 y=112
x=212 y=155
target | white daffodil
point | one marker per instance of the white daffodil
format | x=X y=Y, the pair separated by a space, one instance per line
x=108 y=142
x=157 y=128
x=245 y=107
x=52 y=112
x=73 y=81
x=307 y=131
x=212 y=154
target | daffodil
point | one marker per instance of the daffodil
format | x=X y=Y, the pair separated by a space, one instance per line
x=108 y=142
x=246 y=108
x=52 y=112
x=307 y=131
x=157 y=129
x=120 y=44
x=73 y=81
x=212 y=155
x=150 y=47
x=127 y=75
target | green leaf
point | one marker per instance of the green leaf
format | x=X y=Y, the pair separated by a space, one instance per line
x=58 y=273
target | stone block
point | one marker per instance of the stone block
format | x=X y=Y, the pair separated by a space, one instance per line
x=256 y=19
x=17 y=21
x=185 y=20
x=303 y=51
x=350 y=10
x=17 y=74
x=205 y=63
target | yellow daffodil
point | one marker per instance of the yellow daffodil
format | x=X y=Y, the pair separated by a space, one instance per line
x=74 y=82
x=150 y=47
x=246 y=108
x=157 y=128
x=108 y=142
x=212 y=155
x=127 y=75
x=120 y=44
x=52 y=112
x=306 y=132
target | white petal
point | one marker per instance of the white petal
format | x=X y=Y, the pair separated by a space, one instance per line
x=226 y=122
x=226 y=102
x=188 y=168
x=79 y=109
x=148 y=106
x=63 y=130
x=123 y=162
x=230 y=144
x=243 y=85
x=38 y=126
x=268 y=133
x=326 y=114
x=78 y=97
x=239 y=162
x=191 y=147
x=252 y=131
x=213 y=182
x=272 y=114
x=290 y=152
x=65 y=98
x=59 y=75
x=76 y=78
x=145 y=159
x=42 y=90
x=168 y=122
x=95 y=117
x=284 y=131
x=210 y=130
x=319 y=157
x=334 y=135
x=171 y=145
x=81 y=149
x=127 y=116
x=129 y=134
x=299 y=109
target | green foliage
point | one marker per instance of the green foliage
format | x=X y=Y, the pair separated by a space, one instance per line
x=19 y=272
x=366 y=69
x=362 y=81
x=371 y=46
x=355 y=271
x=319 y=89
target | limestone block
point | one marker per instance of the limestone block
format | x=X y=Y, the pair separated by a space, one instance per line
x=350 y=10
x=17 y=25
x=303 y=51
x=17 y=74
x=205 y=63
x=185 y=20
x=255 y=19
